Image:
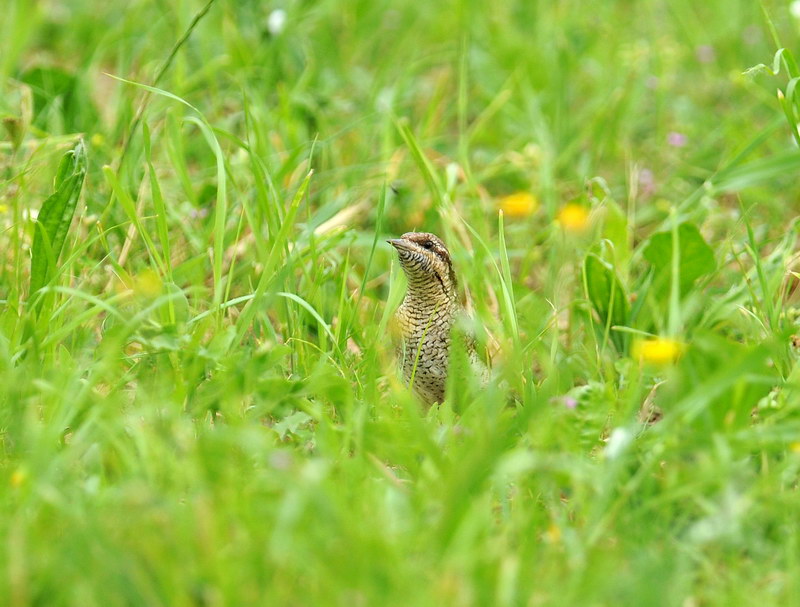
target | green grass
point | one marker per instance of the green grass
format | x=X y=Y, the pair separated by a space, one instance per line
x=199 y=405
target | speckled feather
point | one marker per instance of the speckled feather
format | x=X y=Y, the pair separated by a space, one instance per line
x=426 y=316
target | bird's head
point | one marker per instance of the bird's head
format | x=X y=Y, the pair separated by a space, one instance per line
x=426 y=262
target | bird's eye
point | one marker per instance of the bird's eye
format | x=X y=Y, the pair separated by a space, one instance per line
x=427 y=245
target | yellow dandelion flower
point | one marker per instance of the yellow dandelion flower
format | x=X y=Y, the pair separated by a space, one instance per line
x=3 y=208
x=795 y=447
x=553 y=534
x=573 y=217
x=658 y=351
x=518 y=204
x=18 y=477
x=147 y=283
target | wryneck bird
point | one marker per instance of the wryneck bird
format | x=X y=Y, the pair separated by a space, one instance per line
x=426 y=316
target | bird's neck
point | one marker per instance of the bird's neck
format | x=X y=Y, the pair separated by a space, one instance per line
x=430 y=295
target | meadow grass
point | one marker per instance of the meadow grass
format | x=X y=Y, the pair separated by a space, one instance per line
x=198 y=399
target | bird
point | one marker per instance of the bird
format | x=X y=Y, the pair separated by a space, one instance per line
x=426 y=316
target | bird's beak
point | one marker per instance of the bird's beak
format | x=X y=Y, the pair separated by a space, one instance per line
x=397 y=243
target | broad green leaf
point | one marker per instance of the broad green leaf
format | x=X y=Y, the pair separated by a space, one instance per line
x=60 y=98
x=696 y=257
x=55 y=216
x=291 y=424
x=719 y=382
x=607 y=296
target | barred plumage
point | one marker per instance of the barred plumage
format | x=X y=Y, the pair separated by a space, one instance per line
x=426 y=316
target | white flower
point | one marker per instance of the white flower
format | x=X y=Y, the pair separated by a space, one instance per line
x=276 y=22
x=617 y=443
